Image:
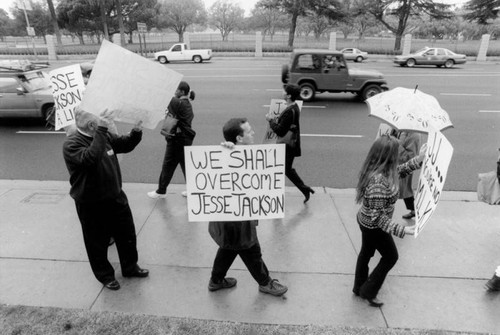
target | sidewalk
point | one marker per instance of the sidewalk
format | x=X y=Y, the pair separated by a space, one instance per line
x=436 y=284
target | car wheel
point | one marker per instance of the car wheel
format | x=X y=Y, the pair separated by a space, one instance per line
x=359 y=59
x=197 y=59
x=449 y=63
x=284 y=74
x=371 y=90
x=162 y=59
x=410 y=62
x=307 y=91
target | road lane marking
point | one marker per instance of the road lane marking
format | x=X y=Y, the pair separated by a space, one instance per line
x=469 y=94
x=274 y=90
x=39 y=132
x=320 y=107
x=329 y=135
x=486 y=111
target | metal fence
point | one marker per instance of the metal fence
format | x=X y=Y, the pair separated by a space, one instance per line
x=236 y=42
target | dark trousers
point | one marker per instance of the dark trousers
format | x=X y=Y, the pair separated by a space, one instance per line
x=252 y=257
x=174 y=155
x=292 y=174
x=371 y=240
x=101 y=221
x=410 y=203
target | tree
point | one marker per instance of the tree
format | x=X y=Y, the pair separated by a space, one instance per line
x=5 y=24
x=330 y=9
x=267 y=18
x=402 y=10
x=178 y=15
x=482 y=11
x=78 y=17
x=225 y=16
x=39 y=18
x=55 y=25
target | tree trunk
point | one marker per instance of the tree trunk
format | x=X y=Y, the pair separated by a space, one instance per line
x=120 y=21
x=54 y=21
x=397 y=43
x=103 y=19
x=291 y=33
x=80 y=37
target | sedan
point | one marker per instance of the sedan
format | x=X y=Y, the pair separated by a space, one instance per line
x=354 y=54
x=431 y=56
x=24 y=91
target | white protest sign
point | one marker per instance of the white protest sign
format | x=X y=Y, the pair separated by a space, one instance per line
x=276 y=108
x=134 y=87
x=67 y=89
x=243 y=183
x=384 y=129
x=432 y=178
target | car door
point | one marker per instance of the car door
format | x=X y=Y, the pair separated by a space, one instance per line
x=349 y=54
x=428 y=57
x=176 y=53
x=15 y=100
x=334 y=74
x=440 y=57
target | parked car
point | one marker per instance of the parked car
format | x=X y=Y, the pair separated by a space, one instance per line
x=431 y=56
x=180 y=52
x=354 y=54
x=24 y=90
x=319 y=70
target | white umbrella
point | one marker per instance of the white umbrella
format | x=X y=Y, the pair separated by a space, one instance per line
x=409 y=109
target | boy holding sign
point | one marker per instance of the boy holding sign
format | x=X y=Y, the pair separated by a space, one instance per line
x=239 y=237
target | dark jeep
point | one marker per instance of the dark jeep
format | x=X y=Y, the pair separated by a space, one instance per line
x=317 y=71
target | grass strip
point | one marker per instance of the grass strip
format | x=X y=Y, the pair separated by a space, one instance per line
x=26 y=320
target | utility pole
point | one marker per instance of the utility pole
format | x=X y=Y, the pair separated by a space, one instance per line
x=29 y=29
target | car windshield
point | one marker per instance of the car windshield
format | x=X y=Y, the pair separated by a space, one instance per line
x=422 y=50
x=35 y=81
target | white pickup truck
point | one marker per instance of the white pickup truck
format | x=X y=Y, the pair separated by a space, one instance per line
x=180 y=52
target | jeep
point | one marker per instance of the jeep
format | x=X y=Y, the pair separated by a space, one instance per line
x=317 y=71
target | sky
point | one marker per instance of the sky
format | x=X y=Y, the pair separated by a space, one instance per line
x=247 y=5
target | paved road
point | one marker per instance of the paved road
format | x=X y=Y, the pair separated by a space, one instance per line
x=337 y=131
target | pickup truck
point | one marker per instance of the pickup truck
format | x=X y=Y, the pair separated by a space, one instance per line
x=318 y=70
x=180 y=52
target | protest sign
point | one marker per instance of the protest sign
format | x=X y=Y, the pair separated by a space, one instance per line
x=432 y=178
x=384 y=129
x=275 y=109
x=243 y=183
x=134 y=87
x=67 y=89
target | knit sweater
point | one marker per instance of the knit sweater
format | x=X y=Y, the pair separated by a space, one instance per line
x=379 y=199
x=94 y=170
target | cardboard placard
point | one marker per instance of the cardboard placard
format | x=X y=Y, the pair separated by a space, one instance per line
x=432 y=177
x=134 y=87
x=67 y=89
x=276 y=108
x=243 y=183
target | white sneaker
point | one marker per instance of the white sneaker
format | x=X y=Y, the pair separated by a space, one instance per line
x=184 y=194
x=155 y=195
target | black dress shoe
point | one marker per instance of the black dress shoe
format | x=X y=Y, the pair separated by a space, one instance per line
x=308 y=193
x=138 y=272
x=375 y=302
x=113 y=285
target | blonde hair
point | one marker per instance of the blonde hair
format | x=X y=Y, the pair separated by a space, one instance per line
x=381 y=159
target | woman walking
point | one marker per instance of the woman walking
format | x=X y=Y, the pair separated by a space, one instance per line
x=289 y=119
x=409 y=145
x=180 y=107
x=378 y=191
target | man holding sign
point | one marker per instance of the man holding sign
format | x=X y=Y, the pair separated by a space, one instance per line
x=239 y=237
x=96 y=187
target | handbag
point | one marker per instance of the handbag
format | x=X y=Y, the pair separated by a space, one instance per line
x=488 y=188
x=291 y=137
x=169 y=127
